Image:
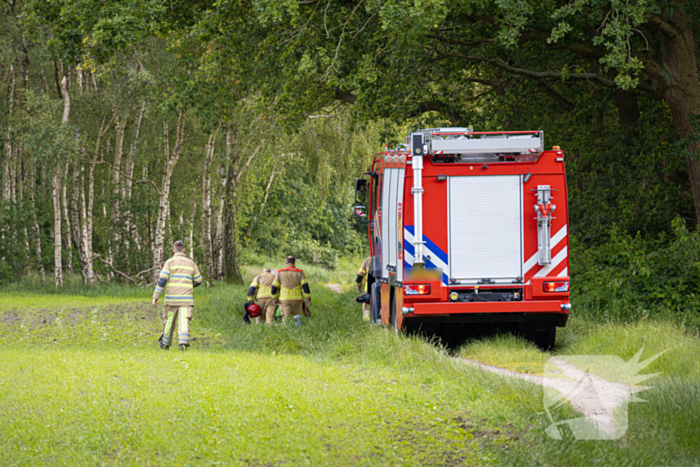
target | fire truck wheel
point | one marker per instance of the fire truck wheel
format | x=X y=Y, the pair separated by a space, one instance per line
x=545 y=339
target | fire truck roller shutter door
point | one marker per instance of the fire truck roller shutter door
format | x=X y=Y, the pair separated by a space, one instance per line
x=392 y=214
x=485 y=228
x=386 y=185
x=399 y=225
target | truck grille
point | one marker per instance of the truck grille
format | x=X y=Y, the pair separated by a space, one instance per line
x=493 y=295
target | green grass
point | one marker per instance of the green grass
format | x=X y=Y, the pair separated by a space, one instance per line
x=586 y=337
x=90 y=386
x=82 y=382
x=665 y=430
x=73 y=287
x=140 y=406
x=16 y=301
x=506 y=351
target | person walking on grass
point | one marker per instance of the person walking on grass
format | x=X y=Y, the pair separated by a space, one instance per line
x=179 y=277
x=291 y=290
x=260 y=292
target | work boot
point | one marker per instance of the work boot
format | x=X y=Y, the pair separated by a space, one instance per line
x=184 y=346
x=298 y=321
x=160 y=343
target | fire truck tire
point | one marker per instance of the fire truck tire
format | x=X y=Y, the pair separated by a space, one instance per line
x=545 y=339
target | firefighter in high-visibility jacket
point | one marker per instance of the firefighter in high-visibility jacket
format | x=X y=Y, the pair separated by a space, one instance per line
x=362 y=286
x=260 y=292
x=179 y=277
x=292 y=290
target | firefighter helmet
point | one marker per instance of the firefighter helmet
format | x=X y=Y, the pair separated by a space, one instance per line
x=253 y=310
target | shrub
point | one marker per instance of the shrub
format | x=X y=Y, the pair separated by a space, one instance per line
x=311 y=251
x=638 y=276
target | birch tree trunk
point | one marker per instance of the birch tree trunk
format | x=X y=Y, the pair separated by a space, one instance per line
x=120 y=129
x=115 y=214
x=217 y=242
x=190 y=243
x=87 y=237
x=218 y=228
x=129 y=169
x=86 y=208
x=132 y=232
x=206 y=208
x=163 y=205
x=58 y=265
x=57 y=190
x=77 y=220
x=22 y=173
x=6 y=168
x=66 y=229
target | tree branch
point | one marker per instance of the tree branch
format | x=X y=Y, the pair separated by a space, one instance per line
x=556 y=97
x=550 y=74
x=247 y=163
x=663 y=26
x=264 y=202
x=140 y=182
x=458 y=42
x=442 y=108
x=546 y=74
x=321 y=116
x=345 y=96
x=135 y=182
x=97 y=256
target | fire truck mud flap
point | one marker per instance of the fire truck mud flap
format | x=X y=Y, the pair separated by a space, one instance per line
x=376 y=303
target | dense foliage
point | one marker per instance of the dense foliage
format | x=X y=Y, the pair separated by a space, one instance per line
x=264 y=111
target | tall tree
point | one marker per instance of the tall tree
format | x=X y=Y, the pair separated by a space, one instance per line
x=170 y=159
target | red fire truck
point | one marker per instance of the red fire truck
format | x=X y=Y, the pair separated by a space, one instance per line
x=468 y=229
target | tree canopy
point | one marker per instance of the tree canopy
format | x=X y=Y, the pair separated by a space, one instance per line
x=241 y=123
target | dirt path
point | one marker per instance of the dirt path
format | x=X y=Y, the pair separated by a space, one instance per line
x=597 y=399
x=335 y=288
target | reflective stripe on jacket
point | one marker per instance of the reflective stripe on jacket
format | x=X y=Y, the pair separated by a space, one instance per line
x=180 y=275
x=261 y=287
x=290 y=285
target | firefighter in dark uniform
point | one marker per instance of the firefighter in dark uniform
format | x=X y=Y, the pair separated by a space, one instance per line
x=260 y=292
x=292 y=290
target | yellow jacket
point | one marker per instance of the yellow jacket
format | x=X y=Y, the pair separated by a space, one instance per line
x=179 y=277
x=290 y=285
x=261 y=287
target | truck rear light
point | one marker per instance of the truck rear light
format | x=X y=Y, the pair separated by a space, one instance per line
x=416 y=289
x=553 y=287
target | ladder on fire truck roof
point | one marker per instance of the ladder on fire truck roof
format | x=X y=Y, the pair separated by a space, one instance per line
x=464 y=141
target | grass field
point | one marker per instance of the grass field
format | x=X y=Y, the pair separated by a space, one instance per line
x=83 y=382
